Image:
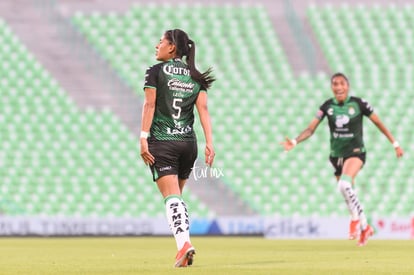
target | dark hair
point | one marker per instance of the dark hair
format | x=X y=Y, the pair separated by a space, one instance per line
x=186 y=47
x=339 y=75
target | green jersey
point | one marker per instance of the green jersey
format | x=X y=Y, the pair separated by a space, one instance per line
x=176 y=95
x=345 y=124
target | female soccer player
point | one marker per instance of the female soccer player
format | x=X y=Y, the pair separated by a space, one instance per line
x=345 y=115
x=168 y=142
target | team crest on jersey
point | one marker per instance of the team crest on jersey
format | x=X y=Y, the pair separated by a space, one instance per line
x=351 y=111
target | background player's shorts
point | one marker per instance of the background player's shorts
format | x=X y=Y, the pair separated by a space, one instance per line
x=172 y=158
x=338 y=163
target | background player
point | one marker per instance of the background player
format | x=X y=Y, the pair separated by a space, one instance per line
x=345 y=116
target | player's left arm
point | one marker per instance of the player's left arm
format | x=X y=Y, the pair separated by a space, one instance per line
x=377 y=121
x=201 y=105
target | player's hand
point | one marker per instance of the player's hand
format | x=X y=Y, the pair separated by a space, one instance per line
x=399 y=152
x=288 y=144
x=145 y=153
x=209 y=154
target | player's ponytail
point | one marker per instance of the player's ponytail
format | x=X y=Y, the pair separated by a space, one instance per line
x=186 y=47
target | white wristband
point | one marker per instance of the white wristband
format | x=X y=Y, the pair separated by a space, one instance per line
x=395 y=144
x=294 y=142
x=144 y=134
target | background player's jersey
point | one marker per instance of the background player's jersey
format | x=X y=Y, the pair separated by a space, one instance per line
x=176 y=96
x=345 y=124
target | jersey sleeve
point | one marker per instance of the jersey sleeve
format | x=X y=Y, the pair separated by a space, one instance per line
x=202 y=88
x=151 y=79
x=321 y=113
x=366 y=108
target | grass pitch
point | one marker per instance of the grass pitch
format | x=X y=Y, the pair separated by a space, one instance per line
x=215 y=255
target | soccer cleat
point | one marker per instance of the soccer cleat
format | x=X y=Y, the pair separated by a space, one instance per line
x=354 y=230
x=185 y=256
x=365 y=234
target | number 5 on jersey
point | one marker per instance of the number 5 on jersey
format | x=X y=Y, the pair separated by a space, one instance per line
x=177 y=108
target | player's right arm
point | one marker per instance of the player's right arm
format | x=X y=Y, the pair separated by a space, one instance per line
x=148 y=110
x=288 y=144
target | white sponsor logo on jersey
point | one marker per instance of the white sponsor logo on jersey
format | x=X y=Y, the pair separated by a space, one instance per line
x=177 y=85
x=171 y=70
x=341 y=120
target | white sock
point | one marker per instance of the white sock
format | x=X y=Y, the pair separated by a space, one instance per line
x=178 y=221
x=354 y=214
x=362 y=218
x=351 y=200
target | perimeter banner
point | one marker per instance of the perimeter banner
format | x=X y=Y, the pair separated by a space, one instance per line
x=66 y=226
x=335 y=228
x=269 y=227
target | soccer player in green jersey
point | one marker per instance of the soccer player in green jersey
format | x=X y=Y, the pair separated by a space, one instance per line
x=345 y=115
x=168 y=142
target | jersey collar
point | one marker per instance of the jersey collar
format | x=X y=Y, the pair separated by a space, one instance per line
x=177 y=59
x=345 y=101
